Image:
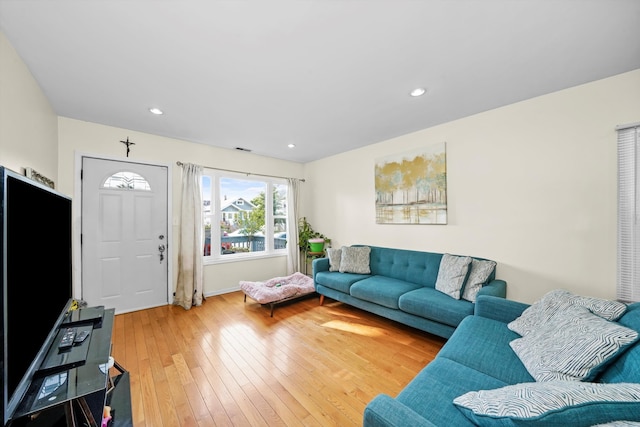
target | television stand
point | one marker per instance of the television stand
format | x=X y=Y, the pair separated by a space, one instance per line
x=75 y=394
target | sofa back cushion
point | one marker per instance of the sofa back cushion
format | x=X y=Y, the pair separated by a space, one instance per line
x=408 y=265
x=626 y=368
x=402 y=264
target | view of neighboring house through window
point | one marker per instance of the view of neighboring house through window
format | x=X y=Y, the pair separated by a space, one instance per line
x=239 y=219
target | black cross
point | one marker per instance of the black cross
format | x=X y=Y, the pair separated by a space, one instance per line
x=127 y=143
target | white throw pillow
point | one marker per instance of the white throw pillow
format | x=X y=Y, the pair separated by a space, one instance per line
x=452 y=274
x=555 y=403
x=355 y=259
x=334 y=256
x=574 y=344
x=557 y=301
x=478 y=276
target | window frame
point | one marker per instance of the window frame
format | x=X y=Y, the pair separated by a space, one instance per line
x=215 y=257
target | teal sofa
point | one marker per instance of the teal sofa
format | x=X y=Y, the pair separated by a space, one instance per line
x=478 y=356
x=401 y=287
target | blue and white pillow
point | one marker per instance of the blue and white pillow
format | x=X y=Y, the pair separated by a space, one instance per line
x=452 y=274
x=554 y=403
x=478 y=276
x=574 y=344
x=557 y=301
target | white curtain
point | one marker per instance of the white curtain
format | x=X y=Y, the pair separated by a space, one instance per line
x=293 y=258
x=190 y=277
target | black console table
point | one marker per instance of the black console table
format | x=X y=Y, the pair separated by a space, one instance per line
x=72 y=386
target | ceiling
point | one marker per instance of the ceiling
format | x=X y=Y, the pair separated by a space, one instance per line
x=326 y=75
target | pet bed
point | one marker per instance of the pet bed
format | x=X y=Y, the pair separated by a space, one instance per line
x=279 y=289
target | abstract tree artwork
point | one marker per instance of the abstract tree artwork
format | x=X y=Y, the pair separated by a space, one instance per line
x=411 y=188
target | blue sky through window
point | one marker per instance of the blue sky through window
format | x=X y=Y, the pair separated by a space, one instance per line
x=233 y=189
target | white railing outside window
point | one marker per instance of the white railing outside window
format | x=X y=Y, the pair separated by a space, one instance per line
x=243 y=216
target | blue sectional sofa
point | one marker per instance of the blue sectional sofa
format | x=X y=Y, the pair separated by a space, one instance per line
x=479 y=357
x=401 y=285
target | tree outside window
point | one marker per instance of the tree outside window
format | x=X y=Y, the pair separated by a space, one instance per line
x=250 y=223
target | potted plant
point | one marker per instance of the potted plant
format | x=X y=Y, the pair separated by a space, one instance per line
x=310 y=241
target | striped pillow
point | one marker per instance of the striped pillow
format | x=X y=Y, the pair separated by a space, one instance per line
x=568 y=403
x=574 y=344
x=557 y=301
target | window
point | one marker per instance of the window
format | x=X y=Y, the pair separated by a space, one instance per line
x=126 y=181
x=628 y=271
x=239 y=220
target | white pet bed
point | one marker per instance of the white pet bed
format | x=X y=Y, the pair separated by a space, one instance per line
x=279 y=289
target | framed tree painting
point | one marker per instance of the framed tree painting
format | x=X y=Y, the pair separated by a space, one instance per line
x=411 y=188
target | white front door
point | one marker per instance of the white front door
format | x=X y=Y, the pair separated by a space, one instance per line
x=124 y=234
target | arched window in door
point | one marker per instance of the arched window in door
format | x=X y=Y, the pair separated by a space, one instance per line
x=126 y=181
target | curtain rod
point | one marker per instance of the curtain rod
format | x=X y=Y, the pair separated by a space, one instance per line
x=179 y=163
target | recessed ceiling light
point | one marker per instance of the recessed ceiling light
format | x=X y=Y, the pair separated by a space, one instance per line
x=291 y=145
x=156 y=111
x=419 y=91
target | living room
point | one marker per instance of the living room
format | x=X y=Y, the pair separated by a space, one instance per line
x=532 y=185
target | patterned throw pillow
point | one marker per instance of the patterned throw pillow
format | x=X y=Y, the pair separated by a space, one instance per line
x=620 y=423
x=574 y=344
x=557 y=301
x=452 y=274
x=557 y=403
x=355 y=259
x=480 y=272
x=334 y=258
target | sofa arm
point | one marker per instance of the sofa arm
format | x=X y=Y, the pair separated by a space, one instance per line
x=384 y=411
x=497 y=308
x=496 y=287
x=318 y=265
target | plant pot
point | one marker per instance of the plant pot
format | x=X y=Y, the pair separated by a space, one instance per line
x=316 y=245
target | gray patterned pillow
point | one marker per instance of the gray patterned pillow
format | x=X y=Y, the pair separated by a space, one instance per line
x=559 y=300
x=574 y=344
x=620 y=423
x=452 y=274
x=355 y=259
x=557 y=403
x=334 y=258
x=480 y=272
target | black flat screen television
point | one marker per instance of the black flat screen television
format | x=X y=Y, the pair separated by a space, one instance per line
x=36 y=278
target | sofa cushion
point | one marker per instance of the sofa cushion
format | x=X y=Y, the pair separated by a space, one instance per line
x=339 y=281
x=480 y=272
x=432 y=390
x=557 y=301
x=432 y=304
x=558 y=403
x=334 y=255
x=355 y=259
x=381 y=290
x=574 y=344
x=452 y=274
x=626 y=368
x=483 y=345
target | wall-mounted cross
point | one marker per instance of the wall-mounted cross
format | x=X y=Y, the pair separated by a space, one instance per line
x=128 y=143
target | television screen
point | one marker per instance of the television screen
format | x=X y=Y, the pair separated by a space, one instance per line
x=35 y=261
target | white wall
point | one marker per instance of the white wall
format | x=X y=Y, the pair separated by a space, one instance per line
x=531 y=185
x=28 y=124
x=78 y=137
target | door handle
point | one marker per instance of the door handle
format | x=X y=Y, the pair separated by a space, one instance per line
x=161 y=249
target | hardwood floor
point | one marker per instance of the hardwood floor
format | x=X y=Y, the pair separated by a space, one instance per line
x=228 y=363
